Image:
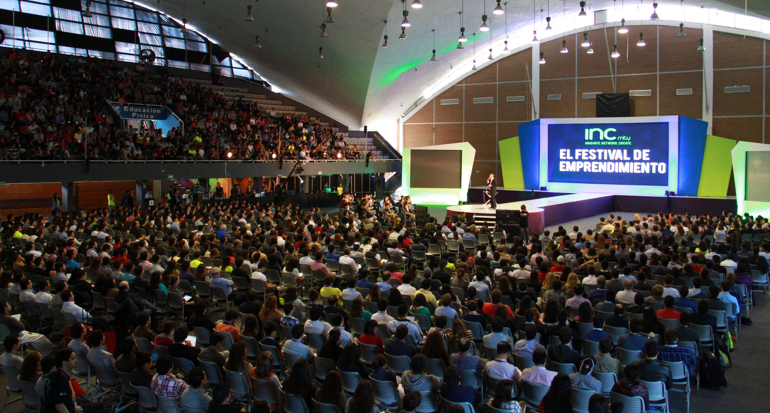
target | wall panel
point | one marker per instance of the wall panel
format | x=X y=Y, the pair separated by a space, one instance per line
x=638 y=59
x=485 y=75
x=480 y=112
x=562 y=108
x=741 y=129
x=731 y=50
x=448 y=133
x=678 y=54
x=507 y=111
x=424 y=115
x=685 y=105
x=641 y=105
x=483 y=137
x=738 y=104
x=450 y=113
x=418 y=135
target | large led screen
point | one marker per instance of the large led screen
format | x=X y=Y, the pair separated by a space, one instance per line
x=436 y=168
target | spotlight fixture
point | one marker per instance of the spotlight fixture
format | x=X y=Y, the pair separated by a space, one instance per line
x=534 y=39
x=564 y=47
x=405 y=22
x=701 y=48
x=582 y=10
x=542 y=59
x=505 y=49
x=87 y=12
x=615 y=53
x=331 y=3
x=229 y=154
x=623 y=29
x=474 y=65
x=433 y=58
x=320 y=52
x=184 y=26
x=490 y=55
x=329 y=18
x=641 y=41
x=403 y=34
x=416 y=4
x=654 y=15
x=585 y=43
x=498 y=10
x=462 y=35
x=273 y=155
x=460 y=45
x=590 y=50
x=681 y=31
x=484 y=27
x=258 y=45
x=249 y=17
x=548 y=26
x=385 y=44
x=474 y=51
x=323 y=31
x=339 y=155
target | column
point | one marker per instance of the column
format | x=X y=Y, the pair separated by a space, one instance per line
x=708 y=76
x=535 y=83
x=68 y=196
x=141 y=188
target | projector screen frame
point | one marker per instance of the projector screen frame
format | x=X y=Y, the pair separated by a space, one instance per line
x=673 y=158
x=459 y=166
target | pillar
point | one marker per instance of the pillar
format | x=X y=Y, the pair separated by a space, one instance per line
x=708 y=76
x=535 y=81
x=68 y=196
x=141 y=188
x=257 y=185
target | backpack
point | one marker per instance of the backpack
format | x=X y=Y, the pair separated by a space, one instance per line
x=711 y=374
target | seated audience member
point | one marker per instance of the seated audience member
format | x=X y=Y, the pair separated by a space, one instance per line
x=630 y=385
x=672 y=352
x=503 y=397
x=538 y=375
x=416 y=379
x=500 y=369
x=528 y=345
x=651 y=368
x=583 y=380
x=455 y=392
x=563 y=352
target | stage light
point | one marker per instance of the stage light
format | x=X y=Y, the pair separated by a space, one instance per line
x=542 y=59
x=385 y=45
x=87 y=12
x=548 y=25
x=331 y=3
x=654 y=15
x=474 y=65
x=329 y=18
x=339 y=155
x=701 y=48
x=564 y=47
x=585 y=43
x=273 y=156
x=229 y=154
x=320 y=52
x=323 y=31
x=623 y=29
x=416 y=4
x=534 y=39
x=249 y=17
x=641 y=42
x=484 y=27
x=462 y=37
x=590 y=50
x=258 y=45
x=582 y=10
x=681 y=31
x=615 y=53
x=505 y=49
x=498 y=10
x=403 y=34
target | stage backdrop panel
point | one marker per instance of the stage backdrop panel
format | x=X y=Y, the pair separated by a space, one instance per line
x=438 y=185
x=740 y=155
x=715 y=174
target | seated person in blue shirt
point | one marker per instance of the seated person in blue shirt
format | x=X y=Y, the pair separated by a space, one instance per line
x=683 y=301
x=363 y=282
x=331 y=255
x=455 y=392
x=597 y=334
x=599 y=292
x=672 y=352
x=634 y=341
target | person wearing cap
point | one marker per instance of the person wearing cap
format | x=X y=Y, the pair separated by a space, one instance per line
x=583 y=380
x=559 y=267
x=538 y=375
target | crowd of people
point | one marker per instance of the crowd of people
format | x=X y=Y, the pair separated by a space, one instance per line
x=51 y=105
x=334 y=300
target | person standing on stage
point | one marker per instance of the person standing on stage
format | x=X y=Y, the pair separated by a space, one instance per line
x=492 y=184
x=524 y=223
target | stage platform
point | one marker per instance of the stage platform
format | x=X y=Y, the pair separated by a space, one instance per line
x=550 y=208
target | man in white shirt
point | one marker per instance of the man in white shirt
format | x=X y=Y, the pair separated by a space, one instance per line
x=405 y=288
x=381 y=316
x=26 y=295
x=521 y=273
x=69 y=306
x=306 y=260
x=627 y=295
x=315 y=323
x=350 y=293
x=346 y=259
x=43 y=296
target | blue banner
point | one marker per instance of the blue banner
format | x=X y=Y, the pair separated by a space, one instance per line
x=609 y=153
x=132 y=111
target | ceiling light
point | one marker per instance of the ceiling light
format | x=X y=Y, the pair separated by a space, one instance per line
x=87 y=12
x=184 y=26
x=548 y=26
x=505 y=49
x=534 y=39
x=701 y=48
x=474 y=65
x=416 y=4
x=329 y=18
x=615 y=53
x=498 y=10
x=681 y=31
x=490 y=55
x=331 y=3
x=654 y=15
x=542 y=59
x=320 y=52
x=406 y=23
x=462 y=35
x=434 y=58
x=323 y=31
x=582 y=10
x=623 y=29
x=641 y=41
x=585 y=43
x=403 y=34
x=249 y=17
x=460 y=45
x=258 y=45
x=590 y=50
x=484 y=27
x=564 y=47
x=385 y=45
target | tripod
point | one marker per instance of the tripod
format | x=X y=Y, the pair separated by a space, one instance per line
x=488 y=198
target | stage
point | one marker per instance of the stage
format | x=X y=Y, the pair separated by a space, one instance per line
x=551 y=208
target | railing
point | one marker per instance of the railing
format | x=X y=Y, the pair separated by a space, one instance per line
x=202 y=161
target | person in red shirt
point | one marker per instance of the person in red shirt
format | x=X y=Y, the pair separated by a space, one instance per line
x=167 y=338
x=668 y=311
x=489 y=309
x=369 y=337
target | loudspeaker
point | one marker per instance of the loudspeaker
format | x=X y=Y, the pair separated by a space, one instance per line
x=503 y=217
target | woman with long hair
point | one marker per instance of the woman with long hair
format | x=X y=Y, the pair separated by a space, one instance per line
x=30 y=368
x=459 y=331
x=369 y=336
x=572 y=282
x=331 y=391
x=585 y=313
x=434 y=347
x=503 y=399
x=264 y=369
x=650 y=323
x=300 y=382
x=357 y=310
x=251 y=327
x=350 y=360
x=156 y=284
x=557 y=400
x=270 y=312
x=504 y=285
x=380 y=371
x=551 y=312
x=526 y=304
x=237 y=359
x=363 y=399
x=395 y=298
x=548 y=282
x=374 y=293
x=502 y=312
x=200 y=274
x=331 y=349
x=126 y=361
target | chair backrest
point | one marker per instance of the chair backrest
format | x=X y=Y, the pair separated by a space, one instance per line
x=590 y=348
x=470 y=378
x=429 y=403
x=266 y=390
x=184 y=364
x=168 y=405
x=213 y=373
x=32 y=400
x=399 y=364
x=669 y=322
x=533 y=394
x=202 y=336
x=239 y=386
x=143 y=344
x=436 y=367
x=227 y=342
x=126 y=386
x=293 y=403
x=656 y=391
x=422 y=321
x=607 y=379
x=371 y=307
x=475 y=328
x=368 y=352
x=523 y=362
x=678 y=370
x=629 y=356
x=704 y=332
x=563 y=368
x=323 y=366
x=580 y=399
x=252 y=347
x=357 y=325
x=315 y=340
x=467 y=407
x=325 y=407
x=350 y=380
x=631 y=404
x=147 y=398
x=291 y=358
